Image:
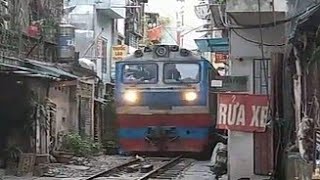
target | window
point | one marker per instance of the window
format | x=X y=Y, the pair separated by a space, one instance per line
x=261 y=72
x=140 y=73
x=263 y=142
x=181 y=73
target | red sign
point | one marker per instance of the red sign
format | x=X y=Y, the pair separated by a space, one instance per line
x=242 y=112
x=220 y=57
x=155 y=34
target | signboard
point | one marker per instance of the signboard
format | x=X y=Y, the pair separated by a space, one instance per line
x=231 y=83
x=100 y=48
x=242 y=112
x=220 y=57
x=202 y=11
x=154 y=34
x=119 y=52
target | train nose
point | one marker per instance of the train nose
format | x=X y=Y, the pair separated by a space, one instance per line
x=159 y=135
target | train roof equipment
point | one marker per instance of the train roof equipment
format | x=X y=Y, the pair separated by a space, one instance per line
x=163 y=53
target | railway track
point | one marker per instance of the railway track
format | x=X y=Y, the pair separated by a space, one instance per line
x=170 y=170
x=113 y=170
x=159 y=169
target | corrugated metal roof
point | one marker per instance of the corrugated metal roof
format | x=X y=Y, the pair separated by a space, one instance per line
x=58 y=72
x=36 y=69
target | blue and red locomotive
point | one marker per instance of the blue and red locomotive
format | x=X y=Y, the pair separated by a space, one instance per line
x=164 y=101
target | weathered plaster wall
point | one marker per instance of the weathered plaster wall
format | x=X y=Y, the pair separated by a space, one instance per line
x=66 y=107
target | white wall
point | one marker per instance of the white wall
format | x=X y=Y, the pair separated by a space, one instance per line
x=240 y=47
x=243 y=68
x=103 y=21
x=241 y=144
x=252 y=5
x=120 y=24
x=66 y=106
x=240 y=151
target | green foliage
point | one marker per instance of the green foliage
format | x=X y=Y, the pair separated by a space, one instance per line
x=165 y=21
x=80 y=146
x=37 y=112
x=13 y=152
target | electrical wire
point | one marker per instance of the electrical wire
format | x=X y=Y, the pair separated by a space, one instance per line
x=270 y=113
x=255 y=42
x=172 y=37
x=272 y=24
x=262 y=51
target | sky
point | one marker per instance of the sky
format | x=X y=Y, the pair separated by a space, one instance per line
x=168 y=8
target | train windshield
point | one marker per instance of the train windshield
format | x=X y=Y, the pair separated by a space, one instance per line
x=140 y=73
x=181 y=73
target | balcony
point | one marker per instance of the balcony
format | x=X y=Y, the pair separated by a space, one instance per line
x=240 y=6
x=112 y=8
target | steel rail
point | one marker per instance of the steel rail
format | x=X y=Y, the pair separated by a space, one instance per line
x=108 y=171
x=163 y=167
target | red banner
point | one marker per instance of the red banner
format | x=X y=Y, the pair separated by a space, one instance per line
x=155 y=34
x=242 y=112
x=220 y=57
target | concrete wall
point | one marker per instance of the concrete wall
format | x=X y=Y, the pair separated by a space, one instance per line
x=40 y=88
x=241 y=47
x=252 y=5
x=90 y=19
x=66 y=107
x=102 y=21
x=241 y=145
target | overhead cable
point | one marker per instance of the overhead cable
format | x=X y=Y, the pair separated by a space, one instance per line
x=271 y=24
x=255 y=42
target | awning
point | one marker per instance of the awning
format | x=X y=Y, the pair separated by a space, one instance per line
x=55 y=71
x=213 y=44
x=33 y=69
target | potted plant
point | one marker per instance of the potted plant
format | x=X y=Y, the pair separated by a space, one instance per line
x=12 y=154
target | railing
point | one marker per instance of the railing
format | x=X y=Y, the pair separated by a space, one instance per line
x=19 y=44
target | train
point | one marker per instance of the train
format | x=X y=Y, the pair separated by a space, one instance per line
x=165 y=102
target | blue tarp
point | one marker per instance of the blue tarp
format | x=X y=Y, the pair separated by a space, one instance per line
x=213 y=44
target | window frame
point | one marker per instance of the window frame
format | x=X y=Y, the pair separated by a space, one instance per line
x=164 y=77
x=136 y=63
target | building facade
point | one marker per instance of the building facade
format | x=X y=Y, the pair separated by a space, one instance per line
x=134 y=25
x=253 y=60
x=255 y=34
x=96 y=31
x=29 y=65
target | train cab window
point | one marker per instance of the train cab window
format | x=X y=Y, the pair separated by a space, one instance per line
x=140 y=73
x=181 y=73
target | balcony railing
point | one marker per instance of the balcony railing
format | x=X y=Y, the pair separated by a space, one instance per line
x=19 y=44
x=114 y=8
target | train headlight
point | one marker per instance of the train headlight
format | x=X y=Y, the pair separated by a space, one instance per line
x=131 y=96
x=190 y=96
